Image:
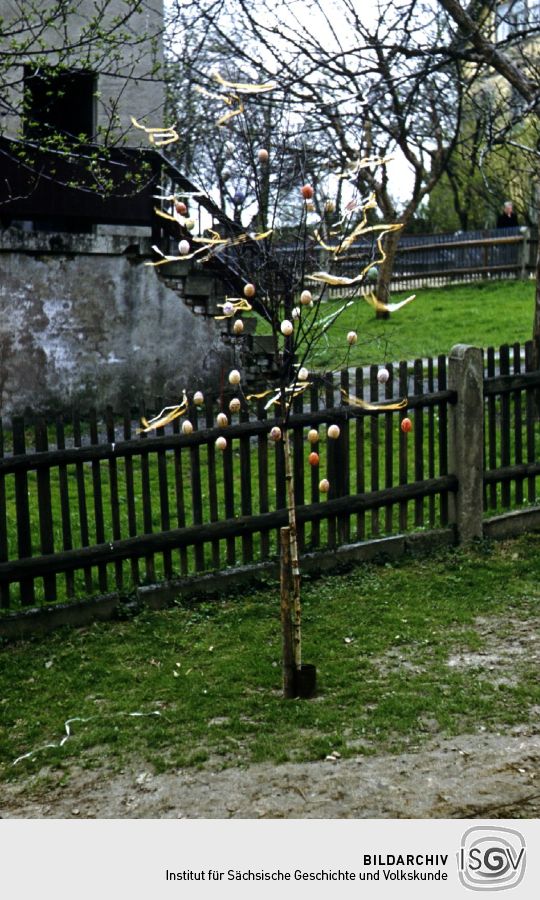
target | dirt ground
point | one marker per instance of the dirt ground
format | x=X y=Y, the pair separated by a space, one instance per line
x=473 y=776
x=481 y=775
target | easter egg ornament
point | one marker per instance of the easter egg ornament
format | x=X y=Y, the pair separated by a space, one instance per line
x=263 y=155
x=383 y=375
x=275 y=433
x=313 y=458
x=306 y=298
x=181 y=208
x=303 y=374
x=221 y=443
x=187 y=427
x=313 y=436
x=234 y=376
x=352 y=338
x=234 y=405
x=183 y=248
x=222 y=420
x=198 y=398
x=324 y=485
x=249 y=290
x=406 y=426
x=286 y=327
x=307 y=191
x=333 y=432
x=238 y=326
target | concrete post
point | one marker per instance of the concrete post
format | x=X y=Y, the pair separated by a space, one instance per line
x=466 y=436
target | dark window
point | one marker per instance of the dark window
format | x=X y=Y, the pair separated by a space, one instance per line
x=59 y=102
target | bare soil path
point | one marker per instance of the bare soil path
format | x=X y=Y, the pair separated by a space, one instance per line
x=472 y=776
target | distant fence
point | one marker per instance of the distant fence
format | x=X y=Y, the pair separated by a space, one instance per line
x=440 y=259
x=94 y=508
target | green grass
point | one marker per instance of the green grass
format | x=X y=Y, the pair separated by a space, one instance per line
x=483 y=314
x=380 y=636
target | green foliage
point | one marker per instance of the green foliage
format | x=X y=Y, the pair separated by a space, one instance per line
x=479 y=177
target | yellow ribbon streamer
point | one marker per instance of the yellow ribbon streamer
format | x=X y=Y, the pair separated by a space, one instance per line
x=379 y=306
x=238 y=304
x=374 y=407
x=244 y=87
x=159 y=137
x=159 y=421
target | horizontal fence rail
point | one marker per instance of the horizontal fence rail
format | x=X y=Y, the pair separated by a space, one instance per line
x=89 y=506
x=435 y=260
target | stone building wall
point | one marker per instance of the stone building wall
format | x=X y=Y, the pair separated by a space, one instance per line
x=83 y=320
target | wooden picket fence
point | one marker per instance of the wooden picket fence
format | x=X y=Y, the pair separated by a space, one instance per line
x=91 y=506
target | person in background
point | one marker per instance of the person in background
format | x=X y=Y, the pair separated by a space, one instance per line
x=507 y=218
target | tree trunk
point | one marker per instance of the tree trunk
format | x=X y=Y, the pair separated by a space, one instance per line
x=295 y=567
x=288 y=666
x=386 y=270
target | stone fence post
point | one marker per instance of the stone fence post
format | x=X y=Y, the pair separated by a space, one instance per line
x=466 y=440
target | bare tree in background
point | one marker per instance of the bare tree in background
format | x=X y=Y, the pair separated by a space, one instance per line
x=359 y=86
x=506 y=52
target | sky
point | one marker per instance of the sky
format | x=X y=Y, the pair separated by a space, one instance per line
x=400 y=174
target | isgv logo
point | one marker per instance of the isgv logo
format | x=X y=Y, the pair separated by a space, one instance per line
x=491 y=858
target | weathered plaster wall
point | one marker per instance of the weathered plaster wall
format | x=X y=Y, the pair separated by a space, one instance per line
x=95 y=325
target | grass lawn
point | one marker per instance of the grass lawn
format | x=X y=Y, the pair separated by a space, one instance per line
x=483 y=314
x=208 y=675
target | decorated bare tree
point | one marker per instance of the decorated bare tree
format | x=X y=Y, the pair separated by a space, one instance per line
x=284 y=276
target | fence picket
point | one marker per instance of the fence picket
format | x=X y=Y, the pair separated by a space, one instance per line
x=504 y=369
x=442 y=385
x=196 y=486
x=431 y=440
x=418 y=381
x=114 y=495
x=130 y=495
x=360 y=455
x=146 y=498
x=81 y=498
x=389 y=428
x=315 y=476
x=179 y=496
x=163 y=487
x=492 y=428
x=331 y=461
x=246 y=504
x=262 y=471
x=212 y=480
x=403 y=448
x=531 y=418
x=46 y=530
x=344 y=467
x=4 y=548
x=298 y=468
x=228 y=492
x=518 y=425
x=24 y=534
x=98 y=500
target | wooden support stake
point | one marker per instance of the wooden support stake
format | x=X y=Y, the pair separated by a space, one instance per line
x=286 y=619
